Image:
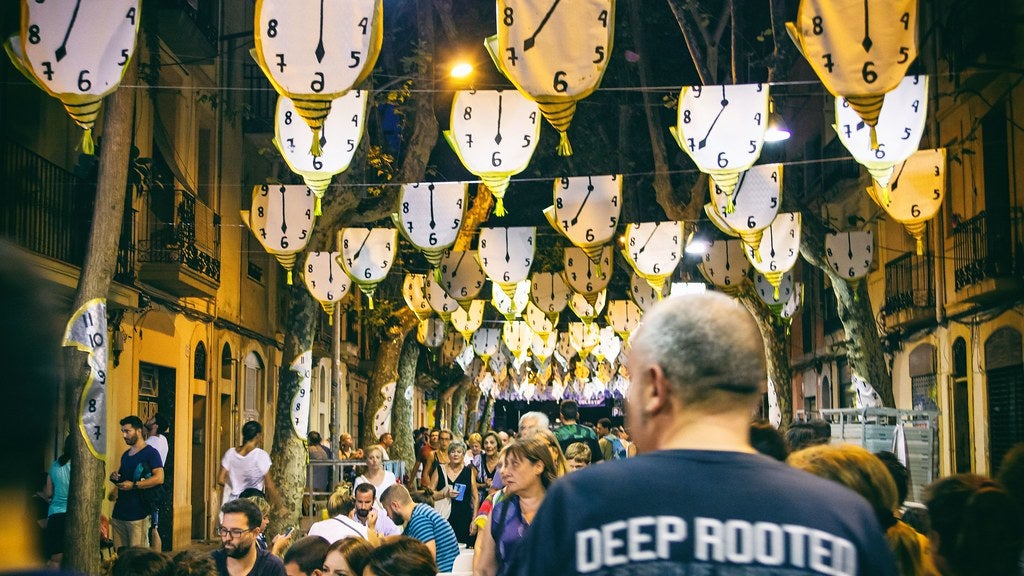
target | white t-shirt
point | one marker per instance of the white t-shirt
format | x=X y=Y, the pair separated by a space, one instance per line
x=337 y=528
x=160 y=443
x=245 y=471
x=389 y=479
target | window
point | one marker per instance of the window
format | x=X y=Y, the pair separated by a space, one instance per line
x=225 y=362
x=1004 y=370
x=199 y=362
x=923 y=390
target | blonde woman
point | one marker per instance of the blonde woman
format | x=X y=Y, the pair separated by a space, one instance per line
x=375 y=473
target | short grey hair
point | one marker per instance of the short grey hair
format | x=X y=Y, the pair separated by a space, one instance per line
x=704 y=343
x=457 y=445
x=540 y=417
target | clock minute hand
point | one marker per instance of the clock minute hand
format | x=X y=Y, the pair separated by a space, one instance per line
x=497 y=136
x=284 y=213
x=866 y=43
x=365 y=238
x=590 y=188
x=432 y=223
x=62 y=50
x=704 y=141
x=644 y=246
x=320 y=45
x=529 y=42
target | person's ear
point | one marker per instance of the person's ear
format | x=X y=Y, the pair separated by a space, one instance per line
x=655 y=390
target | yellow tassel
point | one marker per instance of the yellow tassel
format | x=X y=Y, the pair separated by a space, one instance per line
x=499 y=206
x=316 y=207
x=437 y=275
x=369 y=299
x=289 y=277
x=88 y=146
x=874 y=138
x=330 y=319
x=920 y=246
x=777 y=291
x=315 y=149
x=564 y=148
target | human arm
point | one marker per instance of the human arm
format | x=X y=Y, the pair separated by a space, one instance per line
x=485 y=563
x=48 y=488
x=222 y=477
x=428 y=480
x=474 y=494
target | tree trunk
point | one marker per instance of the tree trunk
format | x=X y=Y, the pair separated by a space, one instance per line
x=82 y=543
x=386 y=367
x=459 y=408
x=488 y=413
x=290 y=455
x=401 y=412
x=775 y=333
x=472 y=408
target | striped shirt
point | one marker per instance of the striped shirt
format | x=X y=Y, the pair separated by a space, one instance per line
x=425 y=525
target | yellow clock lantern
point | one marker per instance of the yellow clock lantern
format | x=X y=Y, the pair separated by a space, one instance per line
x=586 y=211
x=430 y=215
x=916 y=191
x=367 y=255
x=282 y=220
x=325 y=280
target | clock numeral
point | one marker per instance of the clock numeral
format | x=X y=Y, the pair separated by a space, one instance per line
x=405 y=208
x=508 y=19
x=526 y=141
x=722 y=160
x=264 y=190
x=469 y=140
x=92 y=405
x=687 y=118
x=757 y=118
x=559 y=83
x=317 y=163
x=467 y=114
x=817 y=27
x=936 y=194
x=317 y=85
x=280 y=61
x=753 y=147
x=846 y=129
x=590 y=235
x=356 y=58
x=829 y=64
x=131 y=15
x=288 y=118
x=751 y=223
x=124 y=57
x=613 y=222
x=432 y=239
x=603 y=18
x=272 y=28
x=84 y=84
x=263 y=233
x=48 y=70
x=904 y=55
x=456 y=223
x=259 y=212
x=599 y=50
x=33 y=34
x=303 y=235
x=916 y=105
x=558 y=201
x=565 y=224
x=364 y=24
x=774 y=202
x=291 y=144
x=905 y=19
x=284 y=241
x=367 y=273
x=533 y=117
x=879 y=152
x=351 y=145
x=915 y=211
x=512 y=58
x=869 y=75
x=496 y=158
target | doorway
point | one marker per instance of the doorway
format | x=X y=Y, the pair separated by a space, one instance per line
x=156 y=394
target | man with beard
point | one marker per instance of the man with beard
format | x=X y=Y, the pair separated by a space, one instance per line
x=141 y=469
x=238 y=554
x=423 y=523
x=367 y=513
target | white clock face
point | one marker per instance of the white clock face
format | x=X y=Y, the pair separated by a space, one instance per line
x=644 y=294
x=368 y=253
x=438 y=299
x=461 y=275
x=791 y=306
x=584 y=336
x=543 y=346
x=623 y=316
x=324 y=279
x=725 y=263
x=755 y=200
x=722 y=127
x=768 y=293
x=586 y=209
x=467 y=320
x=582 y=275
x=339 y=137
x=517 y=337
x=584 y=309
x=549 y=292
x=506 y=253
x=453 y=346
x=554 y=48
x=415 y=294
x=494 y=131
x=310 y=47
x=282 y=217
x=917 y=186
x=511 y=307
x=565 y=348
x=780 y=245
x=538 y=320
x=850 y=253
x=79 y=50
x=899 y=129
x=431 y=213
x=485 y=341
x=431 y=332
x=654 y=248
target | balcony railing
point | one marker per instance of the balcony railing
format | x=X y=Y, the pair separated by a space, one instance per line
x=192 y=240
x=989 y=246
x=908 y=283
x=260 y=98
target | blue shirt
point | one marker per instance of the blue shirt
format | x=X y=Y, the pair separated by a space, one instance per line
x=425 y=524
x=60 y=477
x=135 y=467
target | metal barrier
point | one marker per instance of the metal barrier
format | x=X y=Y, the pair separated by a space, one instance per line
x=328 y=473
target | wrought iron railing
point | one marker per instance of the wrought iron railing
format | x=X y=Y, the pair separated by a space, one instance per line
x=192 y=240
x=908 y=283
x=204 y=16
x=989 y=245
x=260 y=98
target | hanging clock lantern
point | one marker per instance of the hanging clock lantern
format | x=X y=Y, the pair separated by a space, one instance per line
x=517 y=337
x=538 y=320
x=466 y=320
x=439 y=300
x=506 y=254
x=859 y=50
x=498 y=363
x=325 y=280
x=282 y=220
x=791 y=306
x=367 y=255
x=549 y=293
x=430 y=215
x=898 y=132
x=564 y=350
x=431 y=332
x=485 y=343
x=511 y=307
x=415 y=293
x=494 y=134
x=299 y=416
x=754 y=203
x=543 y=346
x=554 y=52
x=917 y=188
x=722 y=128
x=454 y=345
x=850 y=253
x=460 y=275
x=608 y=346
x=584 y=337
x=725 y=265
x=623 y=316
x=774 y=297
x=583 y=275
x=779 y=249
x=76 y=56
x=584 y=309
x=315 y=52
x=654 y=249
x=586 y=211
x=716 y=218
x=643 y=294
x=344 y=124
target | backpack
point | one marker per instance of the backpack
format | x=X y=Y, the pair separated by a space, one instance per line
x=618 y=450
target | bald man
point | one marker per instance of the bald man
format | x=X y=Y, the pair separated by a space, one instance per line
x=698 y=498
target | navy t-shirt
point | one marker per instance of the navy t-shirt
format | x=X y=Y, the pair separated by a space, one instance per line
x=266 y=564
x=702 y=512
x=134 y=467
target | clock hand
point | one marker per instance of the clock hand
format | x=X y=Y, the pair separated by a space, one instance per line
x=896 y=181
x=725 y=102
x=365 y=238
x=849 y=245
x=529 y=42
x=62 y=50
x=330 y=271
x=431 y=189
x=497 y=137
x=459 y=263
x=507 y=257
x=866 y=43
x=771 y=242
x=590 y=188
x=736 y=194
x=284 y=213
x=320 y=45
x=641 y=251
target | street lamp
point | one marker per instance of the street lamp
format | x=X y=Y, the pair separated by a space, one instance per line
x=777 y=130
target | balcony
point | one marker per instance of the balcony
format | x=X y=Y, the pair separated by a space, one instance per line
x=182 y=256
x=260 y=99
x=988 y=256
x=189 y=26
x=909 y=290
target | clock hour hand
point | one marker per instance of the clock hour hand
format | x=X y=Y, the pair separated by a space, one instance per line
x=866 y=43
x=62 y=50
x=365 y=238
x=284 y=213
x=320 y=45
x=704 y=141
x=459 y=263
x=651 y=235
x=497 y=137
x=849 y=245
x=432 y=223
x=507 y=257
x=529 y=42
x=590 y=188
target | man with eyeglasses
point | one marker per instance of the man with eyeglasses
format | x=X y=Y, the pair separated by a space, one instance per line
x=238 y=554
